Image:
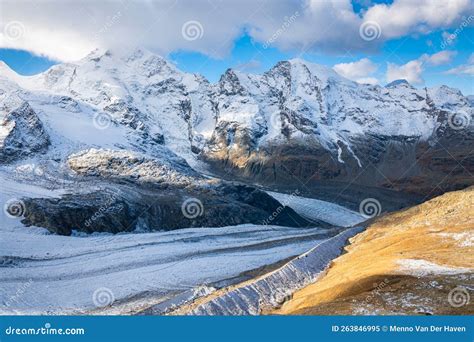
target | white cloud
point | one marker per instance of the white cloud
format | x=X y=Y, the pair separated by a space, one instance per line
x=421 y=16
x=368 y=80
x=68 y=30
x=249 y=66
x=465 y=69
x=410 y=71
x=442 y=57
x=358 y=71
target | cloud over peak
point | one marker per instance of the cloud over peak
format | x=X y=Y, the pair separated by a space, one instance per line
x=68 y=30
x=358 y=71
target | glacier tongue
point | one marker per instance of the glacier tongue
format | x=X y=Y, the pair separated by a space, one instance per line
x=273 y=289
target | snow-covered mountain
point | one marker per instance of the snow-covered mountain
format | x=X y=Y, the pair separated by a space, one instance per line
x=304 y=121
x=136 y=117
x=294 y=101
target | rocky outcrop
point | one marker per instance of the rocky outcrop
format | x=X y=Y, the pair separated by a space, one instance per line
x=123 y=208
x=126 y=165
x=21 y=131
x=120 y=191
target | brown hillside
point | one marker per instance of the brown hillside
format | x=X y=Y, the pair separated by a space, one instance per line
x=415 y=261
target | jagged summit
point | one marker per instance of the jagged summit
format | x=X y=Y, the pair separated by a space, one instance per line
x=321 y=71
x=401 y=82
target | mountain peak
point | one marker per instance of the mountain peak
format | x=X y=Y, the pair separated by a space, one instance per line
x=396 y=83
x=130 y=56
x=95 y=55
x=7 y=72
x=323 y=72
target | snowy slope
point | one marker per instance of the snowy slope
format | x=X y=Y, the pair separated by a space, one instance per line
x=135 y=89
x=320 y=210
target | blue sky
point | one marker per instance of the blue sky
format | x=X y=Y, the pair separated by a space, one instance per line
x=250 y=56
x=419 y=52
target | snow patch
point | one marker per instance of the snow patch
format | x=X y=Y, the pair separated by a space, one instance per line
x=422 y=268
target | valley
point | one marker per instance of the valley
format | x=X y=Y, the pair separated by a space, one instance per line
x=131 y=187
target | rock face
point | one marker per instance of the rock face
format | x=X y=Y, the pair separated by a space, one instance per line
x=21 y=131
x=127 y=208
x=132 y=192
x=119 y=164
x=303 y=122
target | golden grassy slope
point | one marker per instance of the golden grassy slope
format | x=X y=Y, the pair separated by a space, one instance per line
x=370 y=277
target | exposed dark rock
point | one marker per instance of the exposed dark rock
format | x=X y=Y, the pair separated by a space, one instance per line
x=21 y=131
x=129 y=208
